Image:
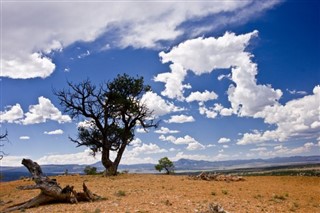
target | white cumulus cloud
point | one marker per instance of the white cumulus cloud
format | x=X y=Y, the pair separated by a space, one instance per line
x=165 y=130
x=297 y=118
x=192 y=143
x=12 y=114
x=150 y=148
x=38 y=113
x=158 y=105
x=224 y=140
x=204 y=55
x=202 y=96
x=180 y=119
x=54 y=132
x=44 y=111
x=24 y=137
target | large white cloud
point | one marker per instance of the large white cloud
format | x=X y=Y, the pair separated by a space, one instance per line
x=180 y=119
x=38 y=113
x=174 y=87
x=165 y=130
x=202 y=96
x=298 y=118
x=29 y=66
x=224 y=140
x=54 y=132
x=31 y=27
x=44 y=111
x=192 y=143
x=84 y=157
x=204 y=55
x=150 y=148
x=158 y=105
x=12 y=114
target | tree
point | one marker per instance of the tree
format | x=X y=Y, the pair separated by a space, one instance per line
x=3 y=138
x=112 y=110
x=165 y=164
x=90 y=170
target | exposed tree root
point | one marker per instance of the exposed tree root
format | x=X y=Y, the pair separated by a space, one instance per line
x=50 y=190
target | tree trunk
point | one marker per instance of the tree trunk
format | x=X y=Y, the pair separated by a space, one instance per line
x=111 y=167
x=50 y=190
x=111 y=170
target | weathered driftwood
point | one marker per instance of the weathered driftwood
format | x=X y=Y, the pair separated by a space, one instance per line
x=216 y=177
x=216 y=208
x=51 y=192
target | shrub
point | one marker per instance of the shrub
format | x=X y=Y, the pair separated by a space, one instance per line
x=90 y=170
x=120 y=193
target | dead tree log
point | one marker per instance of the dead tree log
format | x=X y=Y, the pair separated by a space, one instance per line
x=50 y=190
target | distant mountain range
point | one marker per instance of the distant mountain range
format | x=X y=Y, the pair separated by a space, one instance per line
x=182 y=165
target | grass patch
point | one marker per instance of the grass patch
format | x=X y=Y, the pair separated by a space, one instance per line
x=258 y=196
x=97 y=211
x=120 y=193
x=278 y=198
x=225 y=192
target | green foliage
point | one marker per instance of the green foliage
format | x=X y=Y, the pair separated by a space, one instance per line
x=90 y=170
x=165 y=164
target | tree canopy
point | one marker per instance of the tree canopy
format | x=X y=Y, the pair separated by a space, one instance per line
x=165 y=164
x=112 y=111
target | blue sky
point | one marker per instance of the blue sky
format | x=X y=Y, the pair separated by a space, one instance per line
x=230 y=79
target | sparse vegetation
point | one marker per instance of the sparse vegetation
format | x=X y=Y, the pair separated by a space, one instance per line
x=120 y=193
x=97 y=211
x=278 y=198
x=168 y=193
x=258 y=196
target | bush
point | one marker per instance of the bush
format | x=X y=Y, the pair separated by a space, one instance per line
x=90 y=170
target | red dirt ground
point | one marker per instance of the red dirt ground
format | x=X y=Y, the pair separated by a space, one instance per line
x=165 y=193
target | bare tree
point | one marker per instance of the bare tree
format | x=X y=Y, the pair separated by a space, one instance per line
x=112 y=111
x=3 y=138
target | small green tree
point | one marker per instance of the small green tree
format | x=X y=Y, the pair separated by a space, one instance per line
x=165 y=164
x=90 y=170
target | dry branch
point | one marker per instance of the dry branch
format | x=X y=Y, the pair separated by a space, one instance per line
x=50 y=190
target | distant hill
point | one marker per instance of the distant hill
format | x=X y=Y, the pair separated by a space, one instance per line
x=182 y=165
x=186 y=164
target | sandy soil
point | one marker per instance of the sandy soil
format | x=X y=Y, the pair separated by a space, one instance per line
x=163 y=193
